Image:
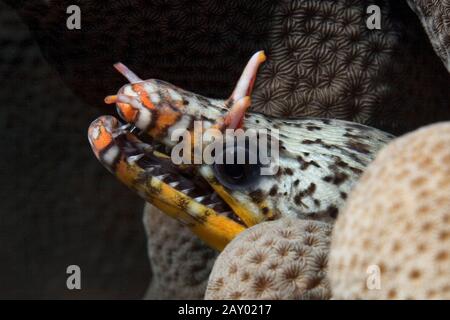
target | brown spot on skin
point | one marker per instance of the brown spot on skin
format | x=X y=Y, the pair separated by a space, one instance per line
x=305 y=164
x=356 y=170
x=311 y=189
x=341 y=164
x=358 y=146
x=349 y=135
x=279 y=173
x=332 y=211
x=307 y=192
x=317 y=202
x=288 y=171
x=317 y=141
x=296 y=182
x=298 y=200
x=313 y=127
x=273 y=191
x=343 y=195
x=337 y=179
x=257 y=196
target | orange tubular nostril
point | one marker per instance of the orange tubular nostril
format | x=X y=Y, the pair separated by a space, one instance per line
x=111 y=99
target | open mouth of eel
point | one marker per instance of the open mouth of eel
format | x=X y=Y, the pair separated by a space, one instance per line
x=180 y=191
x=192 y=194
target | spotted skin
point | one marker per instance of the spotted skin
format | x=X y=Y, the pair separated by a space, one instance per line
x=319 y=159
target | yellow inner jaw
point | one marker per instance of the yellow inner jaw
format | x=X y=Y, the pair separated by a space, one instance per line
x=216 y=230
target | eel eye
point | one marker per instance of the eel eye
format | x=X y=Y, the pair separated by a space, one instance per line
x=239 y=167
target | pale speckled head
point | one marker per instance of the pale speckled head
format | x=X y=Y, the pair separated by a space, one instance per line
x=319 y=159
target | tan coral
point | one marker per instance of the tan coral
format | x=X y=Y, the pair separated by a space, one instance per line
x=283 y=259
x=397 y=219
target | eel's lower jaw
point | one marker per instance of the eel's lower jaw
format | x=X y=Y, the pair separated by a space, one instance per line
x=177 y=191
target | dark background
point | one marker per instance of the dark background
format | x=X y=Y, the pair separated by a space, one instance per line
x=60 y=207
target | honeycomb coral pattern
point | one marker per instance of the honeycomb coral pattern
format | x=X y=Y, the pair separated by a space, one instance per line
x=283 y=259
x=398 y=218
x=435 y=17
x=325 y=62
x=181 y=262
x=322 y=59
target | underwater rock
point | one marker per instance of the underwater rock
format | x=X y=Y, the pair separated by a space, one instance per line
x=392 y=239
x=282 y=259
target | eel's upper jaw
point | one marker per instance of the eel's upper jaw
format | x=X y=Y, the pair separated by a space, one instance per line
x=153 y=176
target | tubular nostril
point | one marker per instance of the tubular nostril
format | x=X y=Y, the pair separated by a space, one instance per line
x=127 y=73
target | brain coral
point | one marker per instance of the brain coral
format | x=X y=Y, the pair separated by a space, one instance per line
x=398 y=219
x=282 y=259
x=180 y=262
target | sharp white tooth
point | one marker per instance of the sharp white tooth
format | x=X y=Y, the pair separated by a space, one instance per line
x=133 y=159
x=199 y=199
x=174 y=184
x=125 y=127
x=163 y=176
x=134 y=129
x=187 y=190
x=212 y=204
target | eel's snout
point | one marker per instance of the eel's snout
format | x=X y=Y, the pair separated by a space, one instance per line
x=153 y=176
x=112 y=142
x=101 y=133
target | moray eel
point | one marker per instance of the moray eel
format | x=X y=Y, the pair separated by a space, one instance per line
x=318 y=160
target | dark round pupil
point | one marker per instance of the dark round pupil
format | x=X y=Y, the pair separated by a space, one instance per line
x=235 y=171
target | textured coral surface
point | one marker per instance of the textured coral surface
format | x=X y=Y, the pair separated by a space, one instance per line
x=435 y=17
x=323 y=61
x=282 y=259
x=398 y=219
x=180 y=261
